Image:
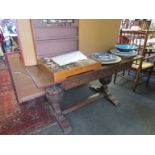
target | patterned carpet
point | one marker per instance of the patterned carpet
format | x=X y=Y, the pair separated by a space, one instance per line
x=20 y=118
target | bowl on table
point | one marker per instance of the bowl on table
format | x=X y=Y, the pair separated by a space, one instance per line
x=126 y=48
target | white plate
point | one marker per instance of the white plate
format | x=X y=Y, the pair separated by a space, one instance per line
x=108 y=61
x=112 y=62
x=124 y=54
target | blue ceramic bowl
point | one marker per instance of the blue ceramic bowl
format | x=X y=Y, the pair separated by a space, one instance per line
x=125 y=48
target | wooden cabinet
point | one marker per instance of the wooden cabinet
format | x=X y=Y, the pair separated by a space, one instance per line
x=57 y=37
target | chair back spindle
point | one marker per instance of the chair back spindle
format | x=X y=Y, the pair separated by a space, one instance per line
x=133 y=37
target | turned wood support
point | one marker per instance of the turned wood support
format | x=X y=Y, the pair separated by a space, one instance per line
x=54 y=95
x=106 y=80
x=105 y=91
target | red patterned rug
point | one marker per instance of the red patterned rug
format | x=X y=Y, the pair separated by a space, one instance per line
x=20 y=118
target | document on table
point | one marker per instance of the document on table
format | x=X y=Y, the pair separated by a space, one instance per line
x=69 y=58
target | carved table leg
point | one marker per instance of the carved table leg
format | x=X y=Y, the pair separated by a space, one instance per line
x=54 y=95
x=104 y=89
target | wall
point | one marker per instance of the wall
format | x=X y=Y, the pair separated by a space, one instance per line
x=98 y=34
x=26 y=42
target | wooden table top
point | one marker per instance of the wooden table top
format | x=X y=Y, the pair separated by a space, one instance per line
x=25 y=87
x=30 y=82
x=43 y=80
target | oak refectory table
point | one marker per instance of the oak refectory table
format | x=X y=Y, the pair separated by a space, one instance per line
x=39 y=83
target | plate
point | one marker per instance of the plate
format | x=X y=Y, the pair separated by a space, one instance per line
x=130 y=54
x=112 y=62
x=106 y=58
x=126 y=48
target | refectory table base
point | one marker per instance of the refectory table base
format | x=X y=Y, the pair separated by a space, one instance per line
x=55 y=94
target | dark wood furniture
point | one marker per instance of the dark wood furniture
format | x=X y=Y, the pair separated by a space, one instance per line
x=31 y=83
x=143 y=63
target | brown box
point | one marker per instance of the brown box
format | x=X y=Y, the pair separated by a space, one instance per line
x=53 y=39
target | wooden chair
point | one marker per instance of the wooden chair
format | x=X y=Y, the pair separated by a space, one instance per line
x=142 y=64
x=144 y=24
x=133 y=37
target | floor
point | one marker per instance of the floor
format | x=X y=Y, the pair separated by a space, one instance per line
x=135 y=115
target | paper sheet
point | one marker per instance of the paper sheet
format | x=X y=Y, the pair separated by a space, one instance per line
x=69 y=58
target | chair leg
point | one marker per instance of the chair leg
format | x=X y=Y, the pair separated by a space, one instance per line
x=115 y=76
x=129 y=71
x=136 y=81
x=123 y=72
x=148 y=79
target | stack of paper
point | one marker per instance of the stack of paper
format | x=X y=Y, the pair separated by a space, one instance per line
x=69 y=58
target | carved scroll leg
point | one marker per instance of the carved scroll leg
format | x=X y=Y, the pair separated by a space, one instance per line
x=54 y=95
x=106 y=92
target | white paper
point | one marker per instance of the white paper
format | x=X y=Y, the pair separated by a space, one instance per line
x=69 y=58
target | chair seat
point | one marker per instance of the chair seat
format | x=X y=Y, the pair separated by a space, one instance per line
x=145 y=65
